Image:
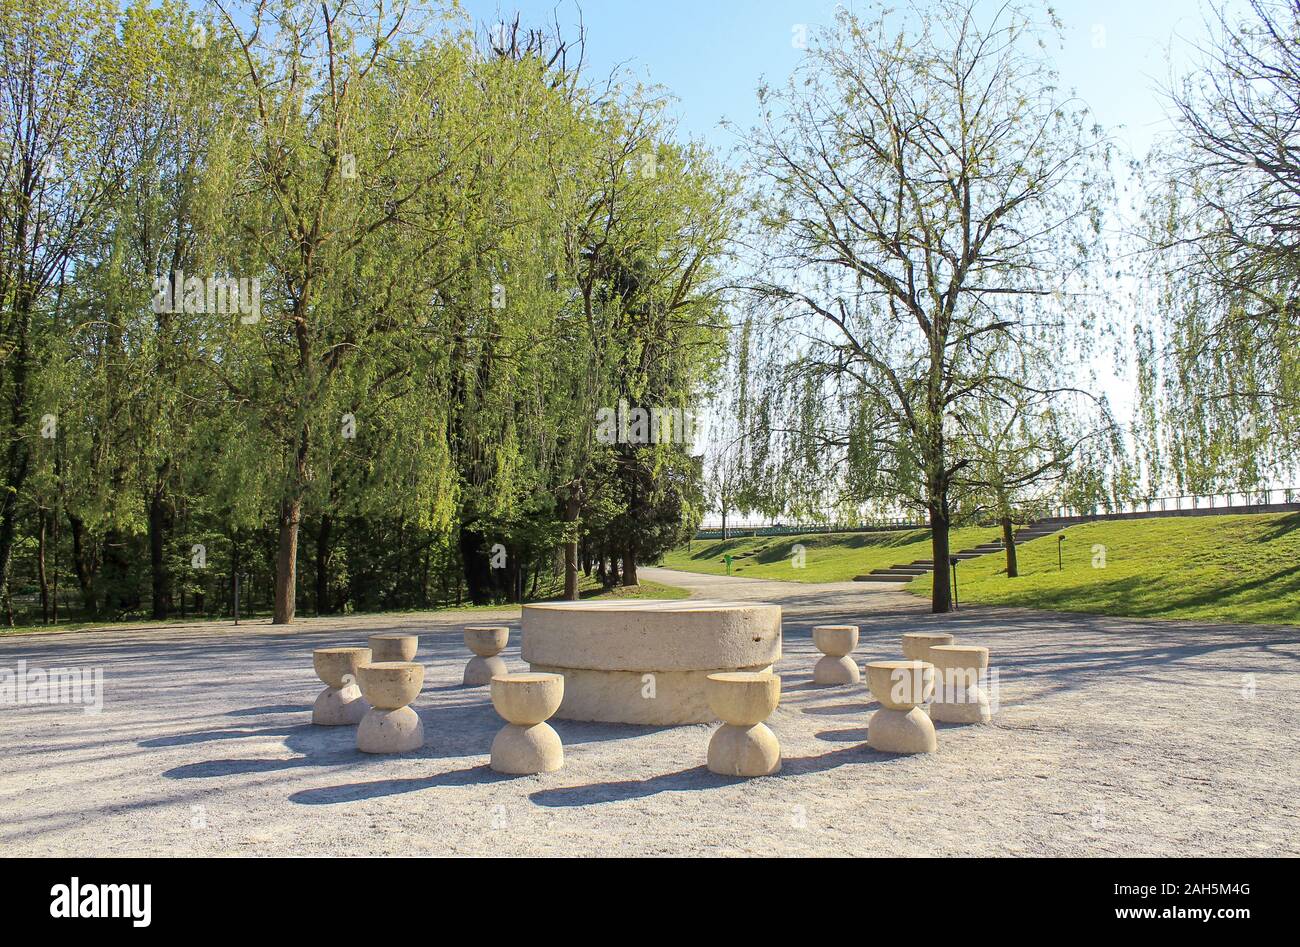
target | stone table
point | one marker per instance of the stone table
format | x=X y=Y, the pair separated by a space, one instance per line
x=647 y=661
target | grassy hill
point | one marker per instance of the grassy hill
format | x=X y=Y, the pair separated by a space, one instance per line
x=828 y=557
x=1212 y=568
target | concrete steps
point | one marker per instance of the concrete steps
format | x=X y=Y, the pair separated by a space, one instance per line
x=906 y=572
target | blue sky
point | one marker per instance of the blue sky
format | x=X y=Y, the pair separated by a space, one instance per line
x=711 y=54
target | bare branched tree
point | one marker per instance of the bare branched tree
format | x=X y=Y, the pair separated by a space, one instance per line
x=929 y=223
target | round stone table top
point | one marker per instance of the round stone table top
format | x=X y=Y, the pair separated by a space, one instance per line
x=652 y=634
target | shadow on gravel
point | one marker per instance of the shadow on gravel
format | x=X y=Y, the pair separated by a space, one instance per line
x=207 y=736
x=850 y=735
x=271 y=709
x=352 y=792
x=695 y=779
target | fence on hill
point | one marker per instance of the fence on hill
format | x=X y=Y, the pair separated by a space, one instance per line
x=1264 y=500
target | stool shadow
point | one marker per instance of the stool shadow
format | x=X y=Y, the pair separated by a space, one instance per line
x=857 y=752
x=851 y=735
x=206 y=736
x=588 y=731
x=208 y=769
x=841 y=709
x=353 y=792
x=805 y=686
x=271 y=709
x=696 y=778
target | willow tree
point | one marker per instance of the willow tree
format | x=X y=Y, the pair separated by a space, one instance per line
x=928 y=208
x=341 y=103
x=1223 y=228
x=61 y=120
x=1021 y=446
x=644 y=226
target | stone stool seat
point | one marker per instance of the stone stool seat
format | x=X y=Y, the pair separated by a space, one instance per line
x=340 y=703
x=960 y=672
x=527 y=744
x=900 y=726
x=743 y=745
x=835 y=642
x=391 y=726
x=393 y=646
x=487 y=642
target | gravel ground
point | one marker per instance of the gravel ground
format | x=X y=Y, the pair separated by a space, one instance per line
x=1113 y=737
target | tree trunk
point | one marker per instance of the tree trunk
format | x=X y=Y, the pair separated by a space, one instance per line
x=286 y=561
x=84 y=565
x=117 y=593
x=162 y=578
x=478 y=578
x=724 y=525
x=629 y=565
x=572 y=507
x=17 y=456
x=1009 y=541
x=941 y=597
x=323 y=564
x=42 y=518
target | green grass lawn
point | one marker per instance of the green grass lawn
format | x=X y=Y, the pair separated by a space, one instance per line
x=1211 y=568
x=588 y=588
x=828 y=557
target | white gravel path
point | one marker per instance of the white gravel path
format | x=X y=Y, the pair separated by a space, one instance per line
x=1114 y=737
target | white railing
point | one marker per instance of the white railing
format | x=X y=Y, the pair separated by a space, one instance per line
x=1245 y=500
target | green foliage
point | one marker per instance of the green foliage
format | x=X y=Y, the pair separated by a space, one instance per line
x=462 y=254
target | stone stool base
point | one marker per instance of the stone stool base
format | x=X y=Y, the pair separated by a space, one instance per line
x=480 y=671
x=390 y=731
x=973 y=708
x=744 y=751
x=339 y=707
x=899 y=731
x=832 y=670
x=522 y=751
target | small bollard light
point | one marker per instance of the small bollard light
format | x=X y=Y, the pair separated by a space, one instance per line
x=1060 y=561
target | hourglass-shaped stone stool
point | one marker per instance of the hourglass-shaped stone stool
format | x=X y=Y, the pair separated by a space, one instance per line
x=835 y=642
x=527 y=744
x=958 y=696
x=916 y=647
x=486 y=641
x=900 y=726
x=340 y=703
x=917 y=644
x=393 y=646
x=391 y=726
x=743 y=745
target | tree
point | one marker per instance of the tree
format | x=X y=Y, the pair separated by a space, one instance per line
x=61 y=119
x=1021 y=446
x=1223 y=234
x=337 y=158
x=929 y=204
